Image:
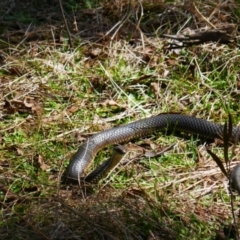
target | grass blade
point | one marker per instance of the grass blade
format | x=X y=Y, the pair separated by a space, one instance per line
x=218 y=161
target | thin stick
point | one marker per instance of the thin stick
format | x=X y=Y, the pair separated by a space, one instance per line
x=66 y=25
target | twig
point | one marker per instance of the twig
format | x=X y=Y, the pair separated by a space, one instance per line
x=138 y=24
x=199 y=15
x=66 y=25
x=120 y=23
x=201 y=37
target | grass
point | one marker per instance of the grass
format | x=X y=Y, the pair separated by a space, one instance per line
x=52 y=98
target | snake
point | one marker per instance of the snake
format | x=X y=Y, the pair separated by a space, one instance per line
x=164 y=122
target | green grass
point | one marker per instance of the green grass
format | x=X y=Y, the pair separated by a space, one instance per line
x=52 y=99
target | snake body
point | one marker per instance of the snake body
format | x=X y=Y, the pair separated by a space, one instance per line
x=124 y=133
x=103 y=169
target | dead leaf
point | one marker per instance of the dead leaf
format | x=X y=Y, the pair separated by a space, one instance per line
x=28 y=102
x=155 y=88
x=42 y=164
x=20 y=151
x=95 y=52
x=171 y=62
x=111 y=102
x=73 y=109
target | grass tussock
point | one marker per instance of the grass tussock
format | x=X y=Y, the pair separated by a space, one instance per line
x=119 y=69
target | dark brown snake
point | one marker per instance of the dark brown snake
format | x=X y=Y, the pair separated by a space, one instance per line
x=162 y=122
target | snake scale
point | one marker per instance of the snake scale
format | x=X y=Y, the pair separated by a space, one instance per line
x=124 y=133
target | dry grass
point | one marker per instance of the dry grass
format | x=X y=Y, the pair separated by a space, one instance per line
x=53 y=97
